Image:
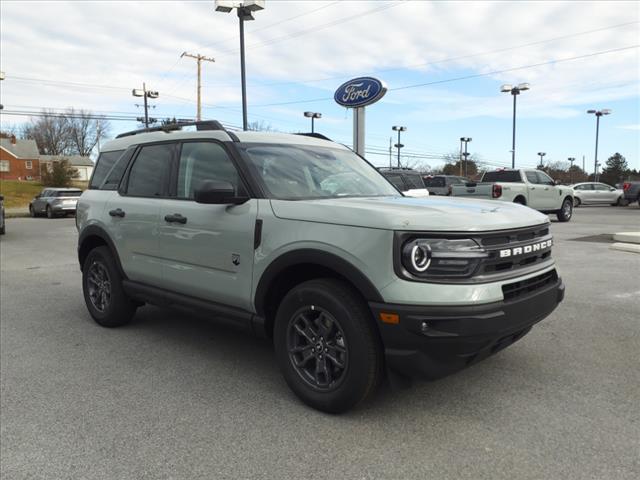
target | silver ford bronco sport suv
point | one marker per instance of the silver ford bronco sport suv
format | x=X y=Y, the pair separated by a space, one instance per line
x=299 y=239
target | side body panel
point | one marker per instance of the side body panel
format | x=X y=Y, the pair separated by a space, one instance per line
x=211 y=255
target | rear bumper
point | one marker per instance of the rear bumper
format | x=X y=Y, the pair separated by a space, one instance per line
x=434 y=341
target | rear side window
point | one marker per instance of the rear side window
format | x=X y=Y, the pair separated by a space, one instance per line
x=68 y=193
x=413 y=181
x=504 y=176
x=105 y=162
x=434 y=182
x=150 y=171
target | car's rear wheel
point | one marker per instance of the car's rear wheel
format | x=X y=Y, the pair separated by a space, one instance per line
x=49 y=212
x=566 y=210
x=102 y=287
x=576 y=202
x=520 y=201
x=32 y=212
x=327 y=346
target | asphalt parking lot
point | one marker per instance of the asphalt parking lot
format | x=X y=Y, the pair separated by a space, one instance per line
x=173 y=396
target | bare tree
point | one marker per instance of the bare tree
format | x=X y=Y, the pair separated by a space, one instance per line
x=85 y=131
x=51 y=133
x=260 y=126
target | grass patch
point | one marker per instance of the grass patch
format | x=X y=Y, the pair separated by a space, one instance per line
x=18 y=194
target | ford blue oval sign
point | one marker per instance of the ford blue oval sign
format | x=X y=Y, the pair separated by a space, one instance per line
x=360 y=92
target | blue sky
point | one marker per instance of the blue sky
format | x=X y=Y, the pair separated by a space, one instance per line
x=100 y=51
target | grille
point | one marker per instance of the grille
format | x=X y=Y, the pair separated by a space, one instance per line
x=523 y=287
x=495 y=243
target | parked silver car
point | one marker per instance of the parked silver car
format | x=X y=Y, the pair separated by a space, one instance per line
x=54 y=202
x=590 y=193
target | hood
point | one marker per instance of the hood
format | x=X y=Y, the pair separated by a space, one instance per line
x=404 y=213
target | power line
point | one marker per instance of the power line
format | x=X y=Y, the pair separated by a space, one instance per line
x=444 y=60
x=466 y=77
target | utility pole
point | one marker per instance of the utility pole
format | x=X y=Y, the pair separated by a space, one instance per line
x=199 y=58
x=136 y=92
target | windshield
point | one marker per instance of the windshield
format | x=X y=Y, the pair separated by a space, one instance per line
x=292 y=172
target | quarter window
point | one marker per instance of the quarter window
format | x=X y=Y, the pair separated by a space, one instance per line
x=150 y=171
x=104 y=164
x=200 y=161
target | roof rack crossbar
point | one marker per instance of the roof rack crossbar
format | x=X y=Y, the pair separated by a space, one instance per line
x=169 y=127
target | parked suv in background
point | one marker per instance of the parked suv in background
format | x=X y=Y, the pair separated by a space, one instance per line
x=591 y=193
x=441 y=184
x=631 y=191
x=54 y=202
x=407 y=180
x=302 y=241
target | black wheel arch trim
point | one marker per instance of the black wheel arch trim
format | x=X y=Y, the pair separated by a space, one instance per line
x=318 y=257
x=97 y=231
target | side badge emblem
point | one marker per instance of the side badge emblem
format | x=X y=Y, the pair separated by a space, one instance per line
x=235 y=259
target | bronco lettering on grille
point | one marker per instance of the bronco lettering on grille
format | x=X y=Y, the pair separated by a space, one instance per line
x=536 y=247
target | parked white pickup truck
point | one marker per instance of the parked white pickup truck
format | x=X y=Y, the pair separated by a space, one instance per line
x=528 y=187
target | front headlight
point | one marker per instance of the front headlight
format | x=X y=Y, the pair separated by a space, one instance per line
x=441 y=257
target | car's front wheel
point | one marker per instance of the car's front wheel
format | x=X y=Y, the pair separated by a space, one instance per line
x=327 y=346
x=566 y=211
x=102 y=287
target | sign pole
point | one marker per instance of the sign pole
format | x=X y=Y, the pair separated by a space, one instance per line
x=358 y=130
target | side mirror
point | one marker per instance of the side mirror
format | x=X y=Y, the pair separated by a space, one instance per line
x=556 y=182
x=217 y=193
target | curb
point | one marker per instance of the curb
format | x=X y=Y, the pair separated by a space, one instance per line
x=626 y=247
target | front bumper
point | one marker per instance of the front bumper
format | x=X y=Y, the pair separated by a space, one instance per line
x=434 y=341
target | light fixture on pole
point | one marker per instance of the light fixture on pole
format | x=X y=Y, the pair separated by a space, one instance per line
x=542 y=154
x=598 y=114
x=312 y=116
x=245 y=9
x=398 y=128
x=571 y=160
x=515 y=91
x=466 y=140
x=136 y=92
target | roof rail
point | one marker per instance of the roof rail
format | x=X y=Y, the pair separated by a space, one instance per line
x=169 y=127
x=315 y=135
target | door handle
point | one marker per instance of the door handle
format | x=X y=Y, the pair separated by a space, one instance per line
x=546 y=188
x=175 y=218
x=118 y=212
x=533 y=188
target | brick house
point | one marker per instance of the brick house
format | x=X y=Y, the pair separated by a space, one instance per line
x=19 y=159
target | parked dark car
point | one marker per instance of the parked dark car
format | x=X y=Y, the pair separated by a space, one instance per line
x=2 y=225
x=407 y=180
x=54 y=202
x=441 y=184
x=631 y=191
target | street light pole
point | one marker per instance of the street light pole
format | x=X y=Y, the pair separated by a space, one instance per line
x=245 y=9
x=542 y=154
x=136 y=92
x=515 y=91
x=313 y=116
x=466 y=140
x=571 y=160
x=398 y=145
x=598 y=114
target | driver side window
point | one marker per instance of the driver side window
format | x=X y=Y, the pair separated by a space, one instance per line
x=200 y=161
x=545 y=179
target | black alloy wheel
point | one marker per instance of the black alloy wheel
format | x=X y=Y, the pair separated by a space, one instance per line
x=99 y=286
x=317 y=348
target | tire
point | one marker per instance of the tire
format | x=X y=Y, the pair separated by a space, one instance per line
x=327 y=313
x=102 y=288
x=50 y=214
x=576 y=202
x=519 y=201
x=3 y=230
x=32 y=212
x=566 y=210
